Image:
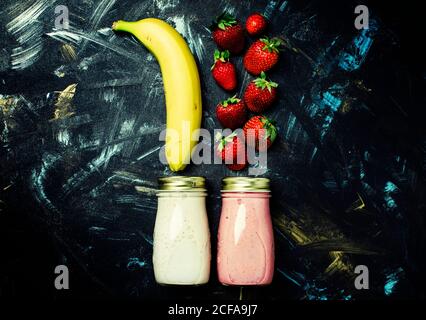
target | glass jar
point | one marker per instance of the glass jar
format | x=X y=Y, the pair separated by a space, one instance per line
x=245 y=238
x=181 y=234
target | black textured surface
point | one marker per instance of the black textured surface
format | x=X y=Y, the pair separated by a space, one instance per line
x=67 y=186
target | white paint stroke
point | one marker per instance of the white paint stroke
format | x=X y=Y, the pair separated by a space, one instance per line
x=100 y=11
x=148 y=153
x=64 y=137
x=27 y=30
x=163 y=5
x=76 y=36
x=196 y=44
x=127 y=127
x=102 y=8
x=31 y=14
x=94 y=166
x=39 y=177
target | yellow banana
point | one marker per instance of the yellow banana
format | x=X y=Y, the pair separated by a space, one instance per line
x=181 y=85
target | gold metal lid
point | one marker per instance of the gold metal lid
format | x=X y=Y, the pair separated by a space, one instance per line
x=182 y=183
x=245 y=184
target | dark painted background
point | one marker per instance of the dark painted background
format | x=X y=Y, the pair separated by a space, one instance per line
x=78 y=164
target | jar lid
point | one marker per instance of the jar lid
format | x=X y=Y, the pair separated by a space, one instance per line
x=245 y=184
x=182 y=183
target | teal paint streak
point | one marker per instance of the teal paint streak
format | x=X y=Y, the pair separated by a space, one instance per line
x=329 y=103
x=289 y=277
x=389 y=189
x=392 y=280
x=135 y=264
x=389 y=286
x=367 y=156
x=269 y=10
x=148 y=239
x=272 y=6
x=354 y=57
x=361 y=171
x=283 y=6
x=332 y=101
x=290 y=126
x=313 y=292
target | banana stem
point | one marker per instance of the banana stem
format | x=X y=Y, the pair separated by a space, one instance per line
x=121 y=25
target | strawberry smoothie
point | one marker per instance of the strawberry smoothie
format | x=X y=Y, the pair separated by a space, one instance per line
x=245 y=239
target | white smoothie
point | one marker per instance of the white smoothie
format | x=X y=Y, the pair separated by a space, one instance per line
x=181 y=239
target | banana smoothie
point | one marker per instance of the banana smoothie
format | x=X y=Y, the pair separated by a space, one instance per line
x=181 y=234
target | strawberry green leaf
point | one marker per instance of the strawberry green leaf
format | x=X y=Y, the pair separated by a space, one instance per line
x=272 y=132
x=263 y=83
x=218 y=136
x=230 y=138
x=221 y=145
x=223 y=21
x=231 y=100
x=271 y=45
x=225 y=55
x=220 y=55
x=216 y=54
x=271 y=129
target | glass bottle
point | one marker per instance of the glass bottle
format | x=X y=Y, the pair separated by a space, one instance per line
x=245 y=238
x=181 y=254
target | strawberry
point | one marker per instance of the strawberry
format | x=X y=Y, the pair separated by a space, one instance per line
x=262 y=55
x=228 y=33
x=231 y=149
x=256 y=24
x=253 y=135
x=231 y=113
x=237 y=167
x=260 y=94
x=223 y=71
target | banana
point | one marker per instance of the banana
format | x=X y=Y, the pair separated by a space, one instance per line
x=181 y=85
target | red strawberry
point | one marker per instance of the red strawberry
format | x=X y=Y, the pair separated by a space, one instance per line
x=260 y=94
x=262 y=55
x=254 y=135
x=223 y=71
x=231 y=149
x=228 y=33
x=237 y=167
x=256 y=24
x=231 y=113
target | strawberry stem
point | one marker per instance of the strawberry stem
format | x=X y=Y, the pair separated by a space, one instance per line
x=225 y=20
x=230 y=137
x=220 y=56
x=264 y=83
x=272 y=45
x=223 y=141
x=271 y=129
x=231 y=100
x=218 y=136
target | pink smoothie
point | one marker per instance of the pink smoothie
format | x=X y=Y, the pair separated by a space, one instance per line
x=245 y=239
